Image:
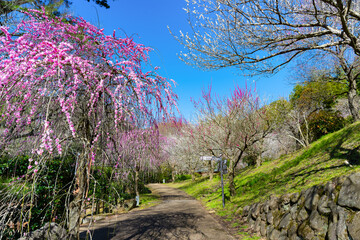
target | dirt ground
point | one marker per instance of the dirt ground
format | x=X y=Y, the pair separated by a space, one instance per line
x=178 y=216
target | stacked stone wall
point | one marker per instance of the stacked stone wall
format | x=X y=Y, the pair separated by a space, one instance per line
x=330 y=211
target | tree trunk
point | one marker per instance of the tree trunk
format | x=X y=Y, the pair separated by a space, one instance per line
x=173 y=174
x=193 y=175
x=137 y=181
x=76 y=205
x=211 y=170
x=258 y=160
x=231 y=177
x=352 y=99
x=231 y=183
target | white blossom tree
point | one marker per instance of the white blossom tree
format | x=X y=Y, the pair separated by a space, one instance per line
x=261 y=36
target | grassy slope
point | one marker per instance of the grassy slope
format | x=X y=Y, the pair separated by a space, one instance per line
x=319 y=163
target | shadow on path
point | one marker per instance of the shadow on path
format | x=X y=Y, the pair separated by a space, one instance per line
x=153 y=226
x=179 y=216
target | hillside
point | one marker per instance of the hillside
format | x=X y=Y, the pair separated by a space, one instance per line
x=333 y=155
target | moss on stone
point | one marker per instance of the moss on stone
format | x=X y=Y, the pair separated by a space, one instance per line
x=277 y=216
x=350 y=216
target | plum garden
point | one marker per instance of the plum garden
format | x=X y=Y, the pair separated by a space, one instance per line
x=86 y=121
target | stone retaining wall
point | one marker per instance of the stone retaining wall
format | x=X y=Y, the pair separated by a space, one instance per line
x=330 y=211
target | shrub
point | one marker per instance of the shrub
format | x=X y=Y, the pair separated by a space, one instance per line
x=182 y=177
x=51 y=188
x=107 y=189
x=13 y=166
x=323 y=122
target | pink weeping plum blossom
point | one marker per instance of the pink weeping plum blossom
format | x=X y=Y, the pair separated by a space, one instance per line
x=140 y=148
x=58 y=63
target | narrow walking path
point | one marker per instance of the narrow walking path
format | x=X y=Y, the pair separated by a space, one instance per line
x=178 y=216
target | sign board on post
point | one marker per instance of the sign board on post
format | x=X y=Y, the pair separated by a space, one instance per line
x=210 y=158
x=207 y=158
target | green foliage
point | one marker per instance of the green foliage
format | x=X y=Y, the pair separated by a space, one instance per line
x=250 y=159
x=50 y=188
x=13 y=166
x=182 y=177
x=315 y=99
x=277 y=111
x=315 y=94
x=104 y=188
x=323 y=122
x=54 y=183
x=348 y=120
x=165 y=173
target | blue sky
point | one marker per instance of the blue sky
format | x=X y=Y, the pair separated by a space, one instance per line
x=147 y=21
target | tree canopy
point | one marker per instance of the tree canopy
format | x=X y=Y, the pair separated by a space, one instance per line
x=244 y=33
x=260 y=37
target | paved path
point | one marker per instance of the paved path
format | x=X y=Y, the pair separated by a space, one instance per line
x=179 y=216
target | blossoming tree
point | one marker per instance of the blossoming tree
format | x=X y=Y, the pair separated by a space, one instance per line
x=262 y=36
x=231 y=126
x=139 y=150
x=64 y=85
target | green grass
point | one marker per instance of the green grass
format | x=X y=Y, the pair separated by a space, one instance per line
x=317 y=164
x=149 y=200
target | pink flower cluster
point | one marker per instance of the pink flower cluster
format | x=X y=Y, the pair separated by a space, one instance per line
x=61 y=63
